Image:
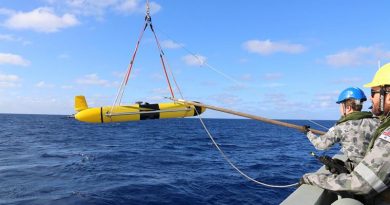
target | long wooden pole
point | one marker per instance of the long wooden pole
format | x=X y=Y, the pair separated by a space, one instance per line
x=254 y=117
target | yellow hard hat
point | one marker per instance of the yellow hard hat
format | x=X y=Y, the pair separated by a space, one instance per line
x=382 y=77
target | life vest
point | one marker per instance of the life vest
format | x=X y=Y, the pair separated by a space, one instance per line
x=357 y=115
x=385 y=124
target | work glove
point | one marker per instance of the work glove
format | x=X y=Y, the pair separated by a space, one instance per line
x=301 y=181
x=333 y=170
x=305 y=129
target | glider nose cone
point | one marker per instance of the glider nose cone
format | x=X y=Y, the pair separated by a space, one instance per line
x=92 y=115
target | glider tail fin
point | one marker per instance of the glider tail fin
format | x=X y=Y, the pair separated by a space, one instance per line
x=80 y=103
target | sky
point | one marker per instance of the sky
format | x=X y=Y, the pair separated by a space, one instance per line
x=275 y=59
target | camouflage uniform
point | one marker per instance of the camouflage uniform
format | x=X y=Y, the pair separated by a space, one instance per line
x=353 y=135
x=370 y=177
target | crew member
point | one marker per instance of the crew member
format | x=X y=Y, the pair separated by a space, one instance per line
x=354 y=129
x=371 y=177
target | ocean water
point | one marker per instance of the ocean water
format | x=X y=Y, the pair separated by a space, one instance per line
x=58 y=160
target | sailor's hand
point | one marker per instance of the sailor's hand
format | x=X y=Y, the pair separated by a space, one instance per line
x=301 y=181
x=305 y=129
x=338 y=161
x=331 y=170
x=334 y=170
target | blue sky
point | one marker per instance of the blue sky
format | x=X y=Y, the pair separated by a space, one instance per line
x=276 y=59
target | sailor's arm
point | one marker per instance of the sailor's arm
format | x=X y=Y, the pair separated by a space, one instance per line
x=326 y=140
x=370 y=176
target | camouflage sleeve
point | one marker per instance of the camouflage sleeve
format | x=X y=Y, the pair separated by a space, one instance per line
x=326 y=140
x=371 y=176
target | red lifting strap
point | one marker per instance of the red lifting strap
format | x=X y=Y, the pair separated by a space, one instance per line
x=135 y=53
x=162 y=59
x=149 y=22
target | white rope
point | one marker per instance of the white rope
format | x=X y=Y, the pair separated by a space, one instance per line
x=235 y=167
x=202 y=62
x=327 y=128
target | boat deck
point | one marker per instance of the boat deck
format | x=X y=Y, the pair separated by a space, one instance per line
x=308 y=194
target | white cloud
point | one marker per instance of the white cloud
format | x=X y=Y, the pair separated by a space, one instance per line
x=169 y=44
x=40 y=20
x=9 y=81
x=130 y=6
x=43 y=84
x=13 y=59
x=154 y=7
x=194 y=60
x=268 y=47
x=93 y=79
x=4 y=11
x=7 y=37
x=358 y=56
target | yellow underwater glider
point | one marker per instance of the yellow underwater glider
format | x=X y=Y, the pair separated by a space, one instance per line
x=134 y=112
x=138 y=111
